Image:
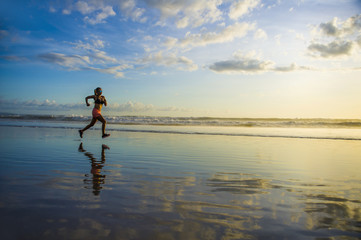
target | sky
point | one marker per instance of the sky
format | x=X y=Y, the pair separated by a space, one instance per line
x=211 y=58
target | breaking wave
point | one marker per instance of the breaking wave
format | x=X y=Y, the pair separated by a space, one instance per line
x=333 y=129
x=199 y=121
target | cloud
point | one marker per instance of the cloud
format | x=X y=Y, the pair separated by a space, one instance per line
x=170 y=42
x=345 y=38
x=337 y=28
x=46 y=105
x=139 y=107
x=242 y=7
x=228 y=34
x=117 y=71
x=132 y=107
x=72 y=62
x=250 y=63
x=90 y=57
x=330 y=28
x=260 y=34
x=92 y=44
x=292 y=67
x=332 y=49
x=102 y=57
x=170 y=59
x=77 y=62
x=52 y=9
x=95 y=11
x=182 y=23
x=99 y=18
x=84 y=8
x=130 y=10
x=240 y=66
x=51 y=105
x=66 y=11
x=194 y=13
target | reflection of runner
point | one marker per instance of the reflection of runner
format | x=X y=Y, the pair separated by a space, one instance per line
x=99 y=100
x=97 y=179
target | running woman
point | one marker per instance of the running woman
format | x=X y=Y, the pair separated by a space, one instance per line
x=99 y=100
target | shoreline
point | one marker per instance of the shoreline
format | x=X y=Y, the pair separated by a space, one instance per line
x=197 y=121
x=263 y=132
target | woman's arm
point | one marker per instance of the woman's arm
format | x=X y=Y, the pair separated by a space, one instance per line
x=88 y=97
x=105 y=101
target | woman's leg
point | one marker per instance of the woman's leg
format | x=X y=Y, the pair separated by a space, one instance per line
x=94 y=120
x=104 y=122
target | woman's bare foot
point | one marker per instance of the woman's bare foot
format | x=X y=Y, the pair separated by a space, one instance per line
x=105 y=135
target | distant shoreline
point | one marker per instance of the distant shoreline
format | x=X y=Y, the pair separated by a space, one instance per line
x=198 y=121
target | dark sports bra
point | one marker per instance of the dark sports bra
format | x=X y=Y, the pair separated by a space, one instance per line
x=98 y=101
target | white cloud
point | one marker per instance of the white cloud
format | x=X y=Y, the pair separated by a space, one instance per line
x=92 y=44
x=117 y=71
x=66 y=11
x=99 y=18
x=51 y=105
x=52 y=9
x=89 y=57
x=73 y=62
x=148 y=38
x=170 y=42
x=186 y=12
x=45 y=105
x=102 y=57
x=130 y=10
x=95 y=11
x=170 y=59
x=182 y=23
x=77 y=62
x=242 y=7
x=84 y=8
x=228 y=34
x=138 y=107
x=131 y=106
x=260 y=34
x=278 y=39
x=91 y=49
x=345 y=37
x=358 y=40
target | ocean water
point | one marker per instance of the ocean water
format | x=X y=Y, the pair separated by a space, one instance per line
x=344 y=129
x=178 y=181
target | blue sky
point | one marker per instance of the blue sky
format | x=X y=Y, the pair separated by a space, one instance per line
x=245 y=58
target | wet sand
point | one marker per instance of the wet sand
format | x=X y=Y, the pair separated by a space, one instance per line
x=137 y=185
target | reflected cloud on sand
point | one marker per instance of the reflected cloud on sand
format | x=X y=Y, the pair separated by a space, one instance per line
x=97 y=179
x=332 y=212
x=238 y=183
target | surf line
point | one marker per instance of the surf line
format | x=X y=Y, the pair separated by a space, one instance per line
x=192 y=133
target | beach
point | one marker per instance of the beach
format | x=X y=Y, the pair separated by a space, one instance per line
x=166 y=185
